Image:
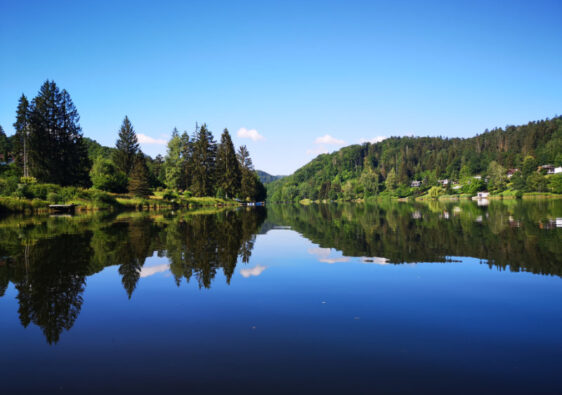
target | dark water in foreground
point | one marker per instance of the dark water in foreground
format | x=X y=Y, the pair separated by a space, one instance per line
x=320 y=299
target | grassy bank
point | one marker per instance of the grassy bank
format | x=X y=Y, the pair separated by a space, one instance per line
x=36 y=198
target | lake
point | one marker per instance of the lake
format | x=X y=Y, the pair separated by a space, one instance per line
x=390 y=298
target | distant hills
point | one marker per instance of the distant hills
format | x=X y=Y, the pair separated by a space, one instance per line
x=266 y=178
x=390 y=166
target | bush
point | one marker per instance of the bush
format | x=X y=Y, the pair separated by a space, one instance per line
x=107 y=177
x=53 y=197
x=170 y=195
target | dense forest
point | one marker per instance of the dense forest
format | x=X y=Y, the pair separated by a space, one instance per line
x=48 y=147
x=468 y=165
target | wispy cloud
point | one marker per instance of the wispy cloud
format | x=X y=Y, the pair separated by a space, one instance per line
x=373 y=140
x=253 y=271
x=322 y=144
x=144 y=139
x=150 y=270
x=249 y=134
x=325 y=255
x=327 y=139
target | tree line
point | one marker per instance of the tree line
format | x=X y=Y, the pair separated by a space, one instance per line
x=390 y=166
x=48 y=147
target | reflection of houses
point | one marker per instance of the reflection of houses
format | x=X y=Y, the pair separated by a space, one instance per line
x=415 y=184
x=416 y=214
x=511 y=172
x=513 y=223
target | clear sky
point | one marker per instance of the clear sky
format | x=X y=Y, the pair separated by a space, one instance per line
x=295 y=78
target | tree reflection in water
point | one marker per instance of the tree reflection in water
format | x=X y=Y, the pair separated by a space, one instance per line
x=49 y=259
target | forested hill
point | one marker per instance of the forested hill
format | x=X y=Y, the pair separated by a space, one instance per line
x=389 y=167
x=266 y=178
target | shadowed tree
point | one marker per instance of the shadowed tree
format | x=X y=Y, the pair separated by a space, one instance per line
x=139 y=181
x=228 y=170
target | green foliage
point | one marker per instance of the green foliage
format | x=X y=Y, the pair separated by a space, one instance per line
x=537 y=182
x=107 y=177
x=139 y=182
x=555 y=183
x=497 y=176
x=399 y=160
x=435 y=192
x=127 y=148
x=202 y=163
x=53 y=138
x=174 y=163
x=228 y=174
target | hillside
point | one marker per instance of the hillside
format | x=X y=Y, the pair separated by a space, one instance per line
x=389 y=167
x=266 y=178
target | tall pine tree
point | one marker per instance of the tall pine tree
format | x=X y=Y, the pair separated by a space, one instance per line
x=228 y=173
x=202 y=163
x=57 y=152
x=22 y=130
x=127 y=147
x=249 y=180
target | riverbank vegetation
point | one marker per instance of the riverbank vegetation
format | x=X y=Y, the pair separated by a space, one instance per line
x=48 y=161
x=511 y=161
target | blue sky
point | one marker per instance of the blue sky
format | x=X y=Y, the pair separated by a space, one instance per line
x=306 y=77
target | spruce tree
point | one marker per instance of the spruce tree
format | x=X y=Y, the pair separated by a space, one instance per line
x=22 y=128
x=57 y=152
x=248 y=186
x=139 y=180
x=4 y=145
x=202 y=163
x=173 y=164
x=127 y=148
x=228 y=173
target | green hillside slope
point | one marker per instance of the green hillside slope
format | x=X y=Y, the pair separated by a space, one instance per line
x=389 y=167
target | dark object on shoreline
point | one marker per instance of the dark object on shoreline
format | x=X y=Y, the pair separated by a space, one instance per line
x=62 y=208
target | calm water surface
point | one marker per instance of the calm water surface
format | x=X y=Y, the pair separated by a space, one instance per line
x=429 y=298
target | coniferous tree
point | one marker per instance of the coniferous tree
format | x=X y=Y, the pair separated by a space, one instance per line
x=139 y=180
x=228 y=171
x=250 y=185
x=22 y=129
x=173 y=165
x=127 y=147
x=4 y=144
x=202 y=163
x=57 y=152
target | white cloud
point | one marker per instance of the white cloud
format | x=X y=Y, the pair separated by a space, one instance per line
x=374 y=140
x=253 y=271
x=150 y=270
x=249 y=134
x=327 y=139
x=144 y=139
x=325 y=255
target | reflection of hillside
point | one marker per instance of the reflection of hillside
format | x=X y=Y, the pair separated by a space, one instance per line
x=49 y=259
x=503 y=234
